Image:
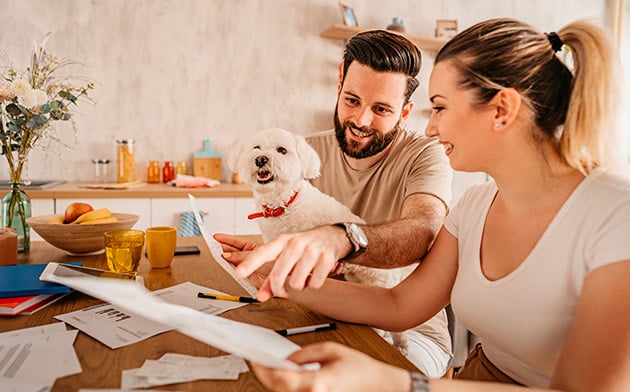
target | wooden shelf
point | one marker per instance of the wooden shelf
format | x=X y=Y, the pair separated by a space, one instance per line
x=343 y=32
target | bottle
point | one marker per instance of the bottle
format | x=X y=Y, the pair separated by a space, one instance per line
x=125 y=160
x=181 y=168
x=397 y=25
x=153 y=172
x=168 y=172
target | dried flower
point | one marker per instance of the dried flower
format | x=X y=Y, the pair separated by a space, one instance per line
x=31 y=101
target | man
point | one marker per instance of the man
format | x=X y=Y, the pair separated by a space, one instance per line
x=396 y=180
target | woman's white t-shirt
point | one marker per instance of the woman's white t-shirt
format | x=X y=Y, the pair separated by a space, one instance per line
x=523 y=318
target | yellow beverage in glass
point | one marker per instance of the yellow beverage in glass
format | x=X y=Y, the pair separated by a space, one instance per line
x=123 y=249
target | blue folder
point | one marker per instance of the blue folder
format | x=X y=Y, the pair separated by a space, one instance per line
x=23 y=279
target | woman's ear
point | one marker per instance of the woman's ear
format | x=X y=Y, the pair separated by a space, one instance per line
x=507 y=104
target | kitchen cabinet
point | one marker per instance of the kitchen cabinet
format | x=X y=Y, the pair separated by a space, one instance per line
x=218 y=212
x=244 y=207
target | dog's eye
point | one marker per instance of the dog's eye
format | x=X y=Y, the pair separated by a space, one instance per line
x=256 y=147
x=282 y=150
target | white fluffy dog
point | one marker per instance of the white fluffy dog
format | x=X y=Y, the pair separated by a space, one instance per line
x=278 y=165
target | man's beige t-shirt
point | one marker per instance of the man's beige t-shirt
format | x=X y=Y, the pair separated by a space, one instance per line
x=414 y=164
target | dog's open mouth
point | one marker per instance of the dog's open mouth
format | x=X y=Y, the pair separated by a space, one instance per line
x=264 y=177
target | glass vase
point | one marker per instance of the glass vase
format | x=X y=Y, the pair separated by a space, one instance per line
x=16 y=208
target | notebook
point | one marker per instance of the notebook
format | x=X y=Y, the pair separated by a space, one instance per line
x=23 y=279
x=29 y=304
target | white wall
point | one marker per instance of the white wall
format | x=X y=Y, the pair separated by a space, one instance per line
x=170 y=73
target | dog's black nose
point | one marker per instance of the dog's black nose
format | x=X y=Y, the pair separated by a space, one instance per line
x=261 y=160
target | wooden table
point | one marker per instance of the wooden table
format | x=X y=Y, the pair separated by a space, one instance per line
x=102 y=366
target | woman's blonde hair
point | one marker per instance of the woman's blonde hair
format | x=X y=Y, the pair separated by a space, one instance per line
x=574 y=108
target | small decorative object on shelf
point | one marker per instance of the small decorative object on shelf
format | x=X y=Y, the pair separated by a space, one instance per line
x=181 y=168
x=168 y=171
x=445 y=28
x=153 y=172
x=396 y=25
x=31 y=101
x=348 y=16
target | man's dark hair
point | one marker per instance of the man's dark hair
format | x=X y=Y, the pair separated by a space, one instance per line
x=385 y=52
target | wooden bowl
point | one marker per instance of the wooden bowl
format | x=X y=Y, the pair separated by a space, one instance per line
x=79 y=239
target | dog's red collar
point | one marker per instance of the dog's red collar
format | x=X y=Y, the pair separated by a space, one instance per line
x=269 y=212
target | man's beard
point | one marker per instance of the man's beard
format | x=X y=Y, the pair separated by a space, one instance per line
x=353 y=148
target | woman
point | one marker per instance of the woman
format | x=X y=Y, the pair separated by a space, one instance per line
x=535 y=262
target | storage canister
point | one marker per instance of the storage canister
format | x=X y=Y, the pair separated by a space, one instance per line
x=168 y=172
x=153 y=172
x=126 y=160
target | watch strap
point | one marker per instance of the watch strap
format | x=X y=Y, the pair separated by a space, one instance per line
x=419 y=383
x=357 y=249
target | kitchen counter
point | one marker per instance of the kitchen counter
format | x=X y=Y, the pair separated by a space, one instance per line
x=70 y=190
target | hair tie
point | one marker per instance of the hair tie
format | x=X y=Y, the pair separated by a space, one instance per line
x=555 y=41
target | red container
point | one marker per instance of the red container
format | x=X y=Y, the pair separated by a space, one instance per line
x=168 y=172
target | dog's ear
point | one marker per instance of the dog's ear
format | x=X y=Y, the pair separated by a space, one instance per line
x=235 y=154
x=308 y=158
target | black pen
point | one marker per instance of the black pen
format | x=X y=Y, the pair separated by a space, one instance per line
x=225 y=297
x=310 y=328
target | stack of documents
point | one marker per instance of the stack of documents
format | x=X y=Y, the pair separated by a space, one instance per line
x=116 y=327
x=177 y=368
x=247 y=341
x=33 y=358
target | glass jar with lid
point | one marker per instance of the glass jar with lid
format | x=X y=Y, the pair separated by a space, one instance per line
x=126 y=164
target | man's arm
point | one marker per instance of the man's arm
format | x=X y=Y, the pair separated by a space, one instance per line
x=405 y=240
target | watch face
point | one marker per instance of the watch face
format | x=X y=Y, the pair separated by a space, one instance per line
x=358 y=235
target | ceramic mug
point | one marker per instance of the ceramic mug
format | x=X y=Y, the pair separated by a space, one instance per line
x=161 y=242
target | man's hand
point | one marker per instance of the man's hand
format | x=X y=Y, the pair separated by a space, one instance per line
x=307 y=257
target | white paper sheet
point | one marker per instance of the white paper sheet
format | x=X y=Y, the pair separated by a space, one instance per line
x=216 y=251
x=177 y=368
x=113 y=326
x=117 y=328
x=185 y=294
x=26 y=357
x=251 y=342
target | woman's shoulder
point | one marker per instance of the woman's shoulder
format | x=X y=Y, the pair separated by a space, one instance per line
x=603 y=186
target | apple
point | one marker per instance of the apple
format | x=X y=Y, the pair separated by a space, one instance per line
x=75 y=210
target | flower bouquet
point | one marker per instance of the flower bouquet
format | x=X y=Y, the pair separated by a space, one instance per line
x=31 y=102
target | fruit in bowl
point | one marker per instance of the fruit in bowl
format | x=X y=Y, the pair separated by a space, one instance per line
x=75 y=210
x=80 y=238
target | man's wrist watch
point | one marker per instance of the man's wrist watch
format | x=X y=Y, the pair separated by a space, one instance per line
x=419 y=383
x=357 y=238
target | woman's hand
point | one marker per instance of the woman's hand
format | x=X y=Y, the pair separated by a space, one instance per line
x=235 y=250
x=342 y=369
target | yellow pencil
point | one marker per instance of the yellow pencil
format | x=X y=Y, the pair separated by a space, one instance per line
x=226 y=297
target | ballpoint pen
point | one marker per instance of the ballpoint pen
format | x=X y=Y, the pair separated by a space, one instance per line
x=226 y=297
x=309 y=328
